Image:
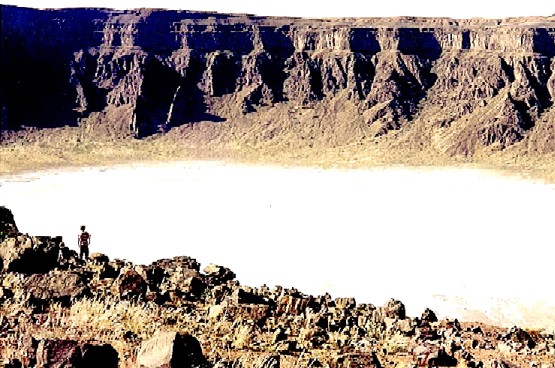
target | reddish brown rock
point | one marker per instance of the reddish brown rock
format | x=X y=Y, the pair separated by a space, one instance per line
x=130 y=284
x=218 y=274
x=171 y=350
x=57 y=286
x=26 y=254
x=74 y=354
x=394 y=309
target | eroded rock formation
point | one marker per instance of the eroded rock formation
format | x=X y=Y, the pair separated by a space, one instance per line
x=109 y=313
x=466 y=83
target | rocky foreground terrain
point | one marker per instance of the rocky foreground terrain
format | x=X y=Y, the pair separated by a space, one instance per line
x=59 y=311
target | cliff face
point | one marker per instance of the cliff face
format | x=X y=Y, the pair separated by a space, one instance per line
x=457 y=85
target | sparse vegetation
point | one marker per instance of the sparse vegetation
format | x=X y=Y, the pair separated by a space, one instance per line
x=238 y=144
x=349 y=94
x=124 y=305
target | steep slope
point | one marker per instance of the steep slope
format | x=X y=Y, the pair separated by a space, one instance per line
x=454 y=86
x=58 y=310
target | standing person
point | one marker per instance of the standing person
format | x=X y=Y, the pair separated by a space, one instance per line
x=83 y=239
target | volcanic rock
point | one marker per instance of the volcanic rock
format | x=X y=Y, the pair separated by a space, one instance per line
x=171 y=350
x=57 y=286
x=236 y=325
x=428 y=316
x=99 y=356
x=218 y=274
x=25 y=254
x=73 y=354
x=130 y=284
x=433 y=356
x=99 y=258
x=519 y=338
x=7 y=223
x=394 y=309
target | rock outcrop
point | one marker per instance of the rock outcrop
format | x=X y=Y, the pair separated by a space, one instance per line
x=55 y=287
x=468 y=84
x=7 y=223
x=37 y=254
x=74 y=354
x=109 y=313
x=171 y=350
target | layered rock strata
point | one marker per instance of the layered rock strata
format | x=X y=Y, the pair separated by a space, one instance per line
x=455 y=84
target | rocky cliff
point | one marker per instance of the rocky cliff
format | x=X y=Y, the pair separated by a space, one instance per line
x=455 y=85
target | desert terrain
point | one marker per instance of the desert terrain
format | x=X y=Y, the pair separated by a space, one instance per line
x=268 y=192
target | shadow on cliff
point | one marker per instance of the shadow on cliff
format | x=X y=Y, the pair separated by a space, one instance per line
x=169 y=100
x=36 y=48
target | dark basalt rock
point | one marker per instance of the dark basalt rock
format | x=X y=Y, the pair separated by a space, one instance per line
x=7 y=223
x=62 y=287
x=171 y=350
x=74 y=354
x=25 y=254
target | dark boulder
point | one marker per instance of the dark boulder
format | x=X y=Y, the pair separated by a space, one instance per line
x=30 y=255
x=178 y=277
x=193 y=287
x=67 y=258
x=7 y=223
x=217 y=275
x=106 y=271
x=130 y=284
x=244 y=296
x=181 y=262
x=171 y=350
x=75 y=354
x=433 y=356
x=154 y=276
x=94 y=356
x=441 y=359
x=429 y=316
x=519 y=336
x=58 y=354
x=56 y=286
x=394 y=309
